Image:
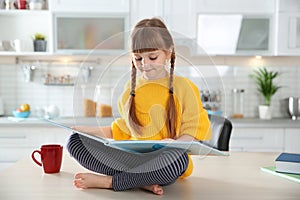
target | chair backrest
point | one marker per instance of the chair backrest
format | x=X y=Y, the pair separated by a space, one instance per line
x=221 y=132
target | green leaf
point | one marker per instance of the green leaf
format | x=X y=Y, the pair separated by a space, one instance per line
x=264 y=81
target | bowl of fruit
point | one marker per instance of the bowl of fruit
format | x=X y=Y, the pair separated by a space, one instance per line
x=22 y=112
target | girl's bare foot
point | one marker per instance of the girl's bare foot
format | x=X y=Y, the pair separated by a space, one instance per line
x=89 y=180
x=156 y=189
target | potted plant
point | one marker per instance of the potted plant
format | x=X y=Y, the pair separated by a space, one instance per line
x=266 y=86
x=39 y=42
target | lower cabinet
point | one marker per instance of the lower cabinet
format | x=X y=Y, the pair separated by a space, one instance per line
x=265 y=140
x=292 y=140
x=19 y=142
x=257 y=139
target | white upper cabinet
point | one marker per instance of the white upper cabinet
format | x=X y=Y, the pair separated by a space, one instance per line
x=235 y=6
x=98 y=6
x=288 y=31
x=141 y=9
x=90 y=33
x=180 y=17
x=235 y=27
x=219 y=27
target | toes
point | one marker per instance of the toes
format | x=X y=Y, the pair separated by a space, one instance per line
x=157 y=189
x=79 y=184
x=78 y=176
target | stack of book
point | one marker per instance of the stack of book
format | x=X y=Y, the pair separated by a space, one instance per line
x=287 y=165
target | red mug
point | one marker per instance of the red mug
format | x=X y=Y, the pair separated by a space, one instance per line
x=22 y=4
x=51 y=157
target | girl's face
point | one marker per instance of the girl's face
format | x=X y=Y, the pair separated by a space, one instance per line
x=152 y=65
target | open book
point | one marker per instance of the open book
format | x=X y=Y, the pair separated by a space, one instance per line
x=144 y=146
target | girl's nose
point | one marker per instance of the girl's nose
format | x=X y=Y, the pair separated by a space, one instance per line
x=143 y=62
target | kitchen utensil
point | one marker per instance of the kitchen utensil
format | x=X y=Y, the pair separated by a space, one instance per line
x=22 y=4
x=7 y=45
x=238 y=103
x=51 y=157
x=35 y=4
x=9 y=4
x=51 y=112
x=21 y=114
x=292 y=105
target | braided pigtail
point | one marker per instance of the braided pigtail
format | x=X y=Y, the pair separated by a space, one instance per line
x=133 y=120
x=171 y=107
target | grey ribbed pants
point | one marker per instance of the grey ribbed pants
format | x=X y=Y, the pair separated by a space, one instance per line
x=128 y=170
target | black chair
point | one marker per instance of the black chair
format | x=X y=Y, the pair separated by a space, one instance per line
x=221 y=132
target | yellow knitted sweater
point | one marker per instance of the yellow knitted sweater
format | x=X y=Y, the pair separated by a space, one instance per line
x=151 y=98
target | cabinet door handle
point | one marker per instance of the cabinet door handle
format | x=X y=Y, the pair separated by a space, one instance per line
x=292 y=32
x=8 y=161
x=248 y=138
x=13 y=137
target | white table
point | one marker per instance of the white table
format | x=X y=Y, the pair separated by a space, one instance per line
x=237 y=176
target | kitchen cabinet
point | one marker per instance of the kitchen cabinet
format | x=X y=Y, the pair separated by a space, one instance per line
x=257 y=139
x=88 y=32
x=265 y=139
x=23 y=24
x=235 y=34
x=141 y=9
x=235 y=6
x=288 y=34
x=103 y=6
x=235 y=27
x=288 y=27
x=18 y=142
x=292 y=140
x=179 y=16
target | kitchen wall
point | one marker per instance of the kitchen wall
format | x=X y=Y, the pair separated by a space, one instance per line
x=224 y=76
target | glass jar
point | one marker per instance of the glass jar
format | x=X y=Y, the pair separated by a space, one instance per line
x=238 y=103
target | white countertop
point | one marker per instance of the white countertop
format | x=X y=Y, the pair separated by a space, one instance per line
x=259 y=123
x=68 y=121
x=237 y=176
x=71 y=121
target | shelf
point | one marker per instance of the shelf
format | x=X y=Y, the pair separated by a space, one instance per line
x=57 y=84
x=13 y=53
x=23 y=12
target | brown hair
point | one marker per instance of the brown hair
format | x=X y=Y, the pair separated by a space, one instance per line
x=150 y=35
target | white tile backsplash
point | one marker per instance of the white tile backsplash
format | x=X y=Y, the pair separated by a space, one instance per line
x=15 y=91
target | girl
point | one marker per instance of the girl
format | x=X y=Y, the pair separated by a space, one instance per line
x=154 y=106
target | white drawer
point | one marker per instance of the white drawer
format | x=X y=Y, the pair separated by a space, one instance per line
x=257 y=140
x=25 y=137
x=13 y=154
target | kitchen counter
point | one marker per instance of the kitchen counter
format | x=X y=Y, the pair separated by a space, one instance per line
x=92 y=121
x=259 y=123
x=237 y=176
x=68 y=121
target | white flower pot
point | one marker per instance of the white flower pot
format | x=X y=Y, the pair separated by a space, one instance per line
x=265 y=112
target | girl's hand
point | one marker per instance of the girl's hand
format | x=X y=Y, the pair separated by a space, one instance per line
x=186 y=138
x=94 y=130
x=167 y=139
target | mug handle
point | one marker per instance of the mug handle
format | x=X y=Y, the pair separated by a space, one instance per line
x=35 y=160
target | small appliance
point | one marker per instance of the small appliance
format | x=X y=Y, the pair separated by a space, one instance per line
x=292 y=106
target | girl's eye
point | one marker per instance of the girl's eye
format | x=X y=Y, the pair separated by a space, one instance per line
x=138 y=59
x=153 y=58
